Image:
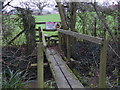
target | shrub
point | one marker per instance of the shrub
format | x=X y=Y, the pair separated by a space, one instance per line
x=15 y=80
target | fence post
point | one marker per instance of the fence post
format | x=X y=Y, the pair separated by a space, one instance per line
x=60 y=40
x=40 y=65
x=103 y=59
x=68 y=48
x=40 y=34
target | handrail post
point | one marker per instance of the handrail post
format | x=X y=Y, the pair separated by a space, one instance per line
x=103 y=59
x=40 y=63
x=40 y=34
x=60 y=40
x=68 y=48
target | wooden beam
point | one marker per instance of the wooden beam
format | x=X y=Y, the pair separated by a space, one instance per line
x=43 y=38
x=40 y=65
x=103 y=59
x=40 y=34
x=68 y=48
x=60 y=41
x=34 y=65
x=40 y=22
x=81 y=36
x=49 y=30
x=58 y=75
x=70 y=77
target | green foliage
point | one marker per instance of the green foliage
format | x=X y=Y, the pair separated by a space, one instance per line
x=11 y=29
x=15 y=80
x=85 y=21
x=14 y=26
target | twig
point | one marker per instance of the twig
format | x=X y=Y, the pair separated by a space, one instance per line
x=114 y=51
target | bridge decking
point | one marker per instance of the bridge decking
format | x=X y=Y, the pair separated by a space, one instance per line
x=63 y=75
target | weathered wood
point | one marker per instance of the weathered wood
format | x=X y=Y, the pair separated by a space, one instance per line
x=68 y=48
x=70 y=77
x=40 y=65
x=37 y=41
x=59 y=36
x=34 y=65
x=103 y=59
x=40 y=34
x=37 y=36
x=58 y=75
x=40 y=22
x=82 y=36
x=49 y=30
x=54 y=35
x=43 y=38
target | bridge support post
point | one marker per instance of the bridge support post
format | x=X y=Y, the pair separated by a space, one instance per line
x=103 y=59
x=40 y=65
x=40 y=34
x=68 y=48
x=60 y=40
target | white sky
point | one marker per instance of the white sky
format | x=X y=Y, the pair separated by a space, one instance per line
x=16 y=2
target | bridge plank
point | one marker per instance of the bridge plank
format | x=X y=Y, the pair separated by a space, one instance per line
x=58 y=75
x=71 y=78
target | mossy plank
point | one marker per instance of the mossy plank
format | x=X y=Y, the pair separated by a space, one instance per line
x=58 y=75
x=71 y=78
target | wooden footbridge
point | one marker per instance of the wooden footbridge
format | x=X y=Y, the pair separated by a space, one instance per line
x=63 y=75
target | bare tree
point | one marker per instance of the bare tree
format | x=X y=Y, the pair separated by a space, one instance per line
x=40 y=4
x=3 y=6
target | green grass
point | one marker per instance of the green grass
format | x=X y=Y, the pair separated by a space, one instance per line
x=89 y=20
x=47 y=18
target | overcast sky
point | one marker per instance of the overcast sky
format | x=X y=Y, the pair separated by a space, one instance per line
x=16 y=2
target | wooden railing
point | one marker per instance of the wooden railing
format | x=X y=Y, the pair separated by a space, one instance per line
x=103 y=53
x=41 y=45
x=100 y=41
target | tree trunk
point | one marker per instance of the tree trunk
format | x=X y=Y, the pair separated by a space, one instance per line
x=30 y=34
x=62 y=15
x=95 y=29
x=73 y=16
x=30 y=40
x=73 y=9
x=64 y=24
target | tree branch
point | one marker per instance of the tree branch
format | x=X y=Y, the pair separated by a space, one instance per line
x=104 y=23
x=7 y=4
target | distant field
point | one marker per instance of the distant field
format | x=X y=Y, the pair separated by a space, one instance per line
x=47 y=18
x=44 y=18
x=56 y=18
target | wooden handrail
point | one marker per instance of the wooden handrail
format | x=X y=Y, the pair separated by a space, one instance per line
x=43 y=38
x=103 y=54
x=82 y=36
